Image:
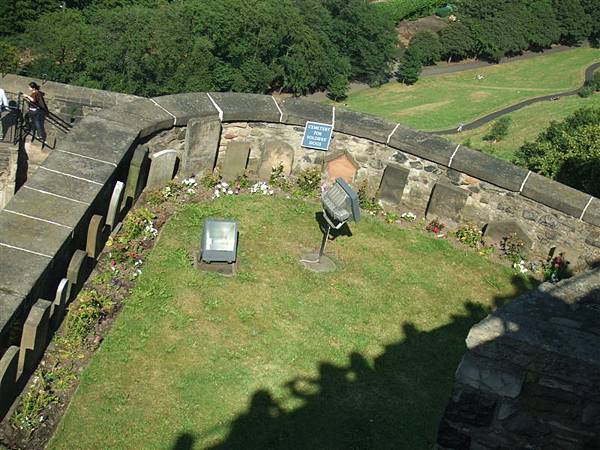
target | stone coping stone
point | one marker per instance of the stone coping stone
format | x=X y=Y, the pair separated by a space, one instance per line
x=246 y=107
x=62 y=185
x=20 y=271
x=188 y=106
x=363 y=125
x=101 y=139
x=298 y=112
x=561 y=319
x=490 y=169
x=9 y=305
x=423 y=145
x=67 y=92
x=592 y=214
x=555 y=195
x=141 y=115
x=78 y=166
x=31 y=234
x=47 y=207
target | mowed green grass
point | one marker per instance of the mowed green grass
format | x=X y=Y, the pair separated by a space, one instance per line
x=279 y=357
x=443 y=101
x=526 y=125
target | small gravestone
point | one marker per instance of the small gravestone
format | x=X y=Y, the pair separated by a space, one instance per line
x=77 y=268
x=114 y=207
x=342 y=167
x=236 y=159
x=201 y=146
x=392 y=184
x=495 y=232
x=138 y=173
x=9 y=365
x=95 y=235
x=35 y=336
x=162 y=168
x=273 y=154
x=447 y=201
x=60 y=302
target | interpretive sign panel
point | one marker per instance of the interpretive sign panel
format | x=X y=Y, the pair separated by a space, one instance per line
x=317 y=136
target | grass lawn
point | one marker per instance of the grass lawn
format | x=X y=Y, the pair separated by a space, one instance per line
x=526 y=124
x=279 y=357
x=442 y=102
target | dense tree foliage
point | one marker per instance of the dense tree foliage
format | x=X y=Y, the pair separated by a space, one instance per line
x=410 y=66
x=427 y=45
x=568 y=151
x=151 y=47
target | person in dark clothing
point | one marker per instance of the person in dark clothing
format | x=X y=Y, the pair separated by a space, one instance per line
x=37 y=110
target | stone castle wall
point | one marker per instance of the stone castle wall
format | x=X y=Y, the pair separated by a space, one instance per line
x=51 y=230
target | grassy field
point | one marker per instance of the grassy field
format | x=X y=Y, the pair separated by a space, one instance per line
x=444 y=101
x=279 y=357
x=526 y=124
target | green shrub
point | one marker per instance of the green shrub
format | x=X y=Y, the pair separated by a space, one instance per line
x=513 y=248
x=367 y=198
x=587 y=90
x=470 y=235
x=90 y=309
x=309 y=181
x=499 y=129
x=29 y=414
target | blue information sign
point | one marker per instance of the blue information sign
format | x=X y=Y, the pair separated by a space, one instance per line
x=317 y=135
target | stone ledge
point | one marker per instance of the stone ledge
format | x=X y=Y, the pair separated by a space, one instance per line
x=96 y=172
x=140 y=115
x=9 y=306
x=363 y=125
x=555 y=195
x=487 y=168
x=298 y=112
x=62 y=185
x=592 y=214
x=187 y=106
x=423 y=145
x=246 y=107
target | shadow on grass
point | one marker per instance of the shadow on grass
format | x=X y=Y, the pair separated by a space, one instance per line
x=395 y=402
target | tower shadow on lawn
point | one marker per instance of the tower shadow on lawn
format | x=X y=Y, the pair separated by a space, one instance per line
x=393 y=403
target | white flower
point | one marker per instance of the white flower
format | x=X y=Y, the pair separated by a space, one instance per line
x=229 y=192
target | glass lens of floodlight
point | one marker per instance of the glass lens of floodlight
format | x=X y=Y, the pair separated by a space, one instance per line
x=220 y=236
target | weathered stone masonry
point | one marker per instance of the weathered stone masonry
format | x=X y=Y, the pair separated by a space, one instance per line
x=47 y=225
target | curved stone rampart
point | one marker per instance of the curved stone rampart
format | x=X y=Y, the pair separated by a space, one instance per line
x=45 y=227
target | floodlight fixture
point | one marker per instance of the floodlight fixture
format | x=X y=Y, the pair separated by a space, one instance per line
x=219 y=241
x=340 y=205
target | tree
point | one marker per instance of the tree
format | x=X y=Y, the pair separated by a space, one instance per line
x=575 y=24
x=427 y=45
x=543 y=28
x=338 y=88
x=410 y=67
x=456 y=42
x=567 y=151
x=499 y=129
x=9 y=58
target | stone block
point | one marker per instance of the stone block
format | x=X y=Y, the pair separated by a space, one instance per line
x=273 y=154
x=496 y=231
x=363 y=125
x=341 y=166
x=77 y=269
x=9 y=305
x=101 y=139
x=140 y=115
x=246 y=107
x=447 y=201
x=95 y=236
x=162 y=168
x=188 y=106
x=89 y=170
x=63 y=293
x=9 y=365
x=490 y=169
x=298 y=112
x=480 y=375
x=33 y=235
x=63 y=185
x=592 y=213
x=114 y=206
x=34 y=337
x=423 y=145
x=555 y=195
x=201 y=146
x=236 y=159
x=138 y=173
x=393 y=182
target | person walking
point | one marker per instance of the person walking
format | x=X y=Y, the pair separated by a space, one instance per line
x=37 y=110
x=3 y=107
